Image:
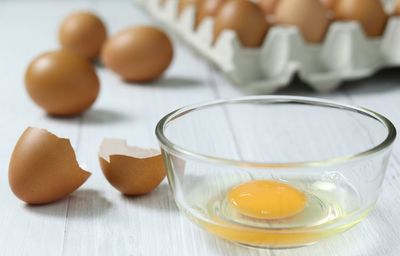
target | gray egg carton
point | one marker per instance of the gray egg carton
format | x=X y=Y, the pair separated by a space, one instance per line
x=345 y=54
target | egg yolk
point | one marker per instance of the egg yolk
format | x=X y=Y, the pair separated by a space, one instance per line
x=267 y=199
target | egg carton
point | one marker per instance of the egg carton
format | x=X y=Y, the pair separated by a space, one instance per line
x=345 y=54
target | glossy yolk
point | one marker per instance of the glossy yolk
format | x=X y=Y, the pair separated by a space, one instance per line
x=267 y=199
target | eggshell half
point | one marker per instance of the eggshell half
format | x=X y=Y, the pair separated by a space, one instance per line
x=43 y=168
x=131 y=170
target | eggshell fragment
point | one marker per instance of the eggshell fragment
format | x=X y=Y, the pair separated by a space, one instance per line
x=369 y=13
x=243 y=17
x=43 y=168
x=62 y=82
x=310 y=16
x=84 y=33
x=138 y=54
x=131 y=170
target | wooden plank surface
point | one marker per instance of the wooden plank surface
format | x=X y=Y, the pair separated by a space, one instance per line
x=96 y=219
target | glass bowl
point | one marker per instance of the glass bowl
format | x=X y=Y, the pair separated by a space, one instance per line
x=275 y=171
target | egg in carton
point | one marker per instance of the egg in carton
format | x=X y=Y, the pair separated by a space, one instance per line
x=346 y=53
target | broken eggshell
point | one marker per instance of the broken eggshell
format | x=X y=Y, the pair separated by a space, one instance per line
x=131 y=170
x=43 y=168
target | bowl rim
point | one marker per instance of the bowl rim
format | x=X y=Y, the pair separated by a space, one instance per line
x=169 y=146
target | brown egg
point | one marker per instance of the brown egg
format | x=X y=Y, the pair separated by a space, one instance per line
x=84 y=33
x=43 y=168
x=182 y=4
x=62 y=82
x=310 y=17
x=369 y=13
x=138 y=54
x=243 y=17
x=208 y=8
x=329 y=3
x=267 y=6
x=397 y=8
x=131 y=170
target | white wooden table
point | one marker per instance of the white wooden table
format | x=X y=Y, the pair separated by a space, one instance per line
x=96 y=219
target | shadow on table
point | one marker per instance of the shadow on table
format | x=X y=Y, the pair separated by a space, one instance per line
x=83 y=203
x=95 y=116
x=179 y=82
x=385 y=80
x=159 y=199
x=169 y=82
x=103 y=116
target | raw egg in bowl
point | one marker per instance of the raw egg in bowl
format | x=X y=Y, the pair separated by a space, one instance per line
x=275 y=171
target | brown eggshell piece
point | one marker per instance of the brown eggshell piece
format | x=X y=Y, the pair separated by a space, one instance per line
x=84 y=33
x=43 y=168
x=131 y=170
x=62 y=82
x=243 y=17
x=311 y=17
x=138 y=54
x=208 y=8
x=369 y=13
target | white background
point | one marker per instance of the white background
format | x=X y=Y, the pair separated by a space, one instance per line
x=96 y=219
